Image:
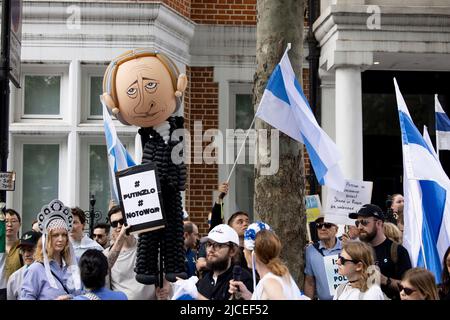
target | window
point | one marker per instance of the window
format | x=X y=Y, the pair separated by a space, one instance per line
x=245 y=175
x=40 y=179
x=42 y=95
x=98 y=178
x=96 y=89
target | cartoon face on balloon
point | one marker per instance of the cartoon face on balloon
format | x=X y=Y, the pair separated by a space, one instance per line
x=144 y=90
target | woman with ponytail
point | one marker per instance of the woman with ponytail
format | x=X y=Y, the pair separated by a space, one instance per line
x=357 y=263
x=262 y=252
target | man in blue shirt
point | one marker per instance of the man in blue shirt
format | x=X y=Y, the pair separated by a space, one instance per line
x=190 y=243
x=316 y=283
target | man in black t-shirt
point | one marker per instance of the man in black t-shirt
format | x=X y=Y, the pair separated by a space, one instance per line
x=392 y=258
x=221 y=247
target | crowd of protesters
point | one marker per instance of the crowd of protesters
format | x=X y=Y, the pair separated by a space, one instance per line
x=236 y=260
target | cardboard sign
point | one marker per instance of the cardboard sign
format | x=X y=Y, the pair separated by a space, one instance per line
x=340 y=204
x=140 y=198
x=333 y=277
x=7 y=181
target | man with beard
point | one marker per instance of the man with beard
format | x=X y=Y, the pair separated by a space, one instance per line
x=221 y=248
x=392 y=258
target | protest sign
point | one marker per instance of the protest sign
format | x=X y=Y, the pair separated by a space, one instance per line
x=340 y=204
x=333 y=277
x=140 y=198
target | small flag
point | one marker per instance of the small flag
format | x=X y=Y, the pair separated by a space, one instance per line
x=442 y=127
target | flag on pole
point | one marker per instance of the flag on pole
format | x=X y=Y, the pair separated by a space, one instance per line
x=118 y=156
x=442 y=127
x=284 y=106
x=427 y=197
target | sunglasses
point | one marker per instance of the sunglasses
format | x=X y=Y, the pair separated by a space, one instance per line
x=362 y=222
x=216 y=245
x=406 y=290
x=327 y=225
x=115 y=223
x=343 y=260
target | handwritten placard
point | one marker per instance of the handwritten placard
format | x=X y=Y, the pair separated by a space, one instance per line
x=140 y=198
x=7 y=181
x=332 y=270
x=340 y=204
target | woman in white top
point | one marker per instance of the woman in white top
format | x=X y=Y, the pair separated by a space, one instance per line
x=262 y=252
x=356 y=262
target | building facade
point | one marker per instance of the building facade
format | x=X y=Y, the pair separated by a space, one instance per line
x=57 y=144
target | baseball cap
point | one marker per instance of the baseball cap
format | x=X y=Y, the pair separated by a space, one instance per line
x=368 y=210
x=223 y=233
x=29 y=238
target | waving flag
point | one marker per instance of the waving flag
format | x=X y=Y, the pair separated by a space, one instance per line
x=442 y=127
x=284 y=106
x=118 y=156
x=427 y=139
x=427 y=197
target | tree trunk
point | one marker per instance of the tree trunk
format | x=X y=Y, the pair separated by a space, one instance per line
x=279 y=197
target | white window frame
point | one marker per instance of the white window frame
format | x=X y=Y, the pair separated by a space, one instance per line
x=18 y=142
x=61 y=70
x=88 y=71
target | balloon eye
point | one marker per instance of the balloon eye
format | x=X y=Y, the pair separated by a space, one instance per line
x=131 y=91
x=151 y=85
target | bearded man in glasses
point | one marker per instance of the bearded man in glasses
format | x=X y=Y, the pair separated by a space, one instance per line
x=121 y=260
x=392 y=258
x=316 y=282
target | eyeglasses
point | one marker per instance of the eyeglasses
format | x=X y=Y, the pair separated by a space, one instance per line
x=115 y=223
x=327 y=225
x=406 y=290
x=362 y=222
x=11 y=221
x=216 y=245
x=343 y=260
x=99 y=235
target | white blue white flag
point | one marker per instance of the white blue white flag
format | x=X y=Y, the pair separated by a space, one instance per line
x=284 y=106
x=118 y=156
x=427 y=139
x=442 y=126
x=427 y=197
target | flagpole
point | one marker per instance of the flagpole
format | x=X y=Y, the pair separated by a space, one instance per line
x=435 y=125
x=288 y=47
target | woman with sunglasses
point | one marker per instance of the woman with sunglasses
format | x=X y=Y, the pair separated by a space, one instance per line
x=356 y=262
x=418 y=284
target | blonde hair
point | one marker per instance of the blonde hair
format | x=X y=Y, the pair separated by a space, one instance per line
x=361 y=252
x=65 y=253
x=392 y=232
x=268 y=249
x=424 y=281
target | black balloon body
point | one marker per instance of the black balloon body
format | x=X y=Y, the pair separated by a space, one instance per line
x=164 y=247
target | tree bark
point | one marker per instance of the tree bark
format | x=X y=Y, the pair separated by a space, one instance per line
x=279 y=197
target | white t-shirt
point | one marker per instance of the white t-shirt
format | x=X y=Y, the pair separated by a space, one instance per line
x=350 y=293
x=290 y=288
x=123 y=277
x=85 y=244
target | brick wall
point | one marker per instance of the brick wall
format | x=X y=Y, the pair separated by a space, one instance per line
x=225 y=12
x=182 y=6
x=201 y=104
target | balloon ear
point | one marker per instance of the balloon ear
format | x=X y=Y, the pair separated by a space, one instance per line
x=181 y=84
x=109 y=101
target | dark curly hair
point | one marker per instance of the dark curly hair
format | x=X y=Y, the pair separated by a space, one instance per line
x=93 y=269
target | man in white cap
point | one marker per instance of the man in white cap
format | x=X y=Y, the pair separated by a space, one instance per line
x=221 y=248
